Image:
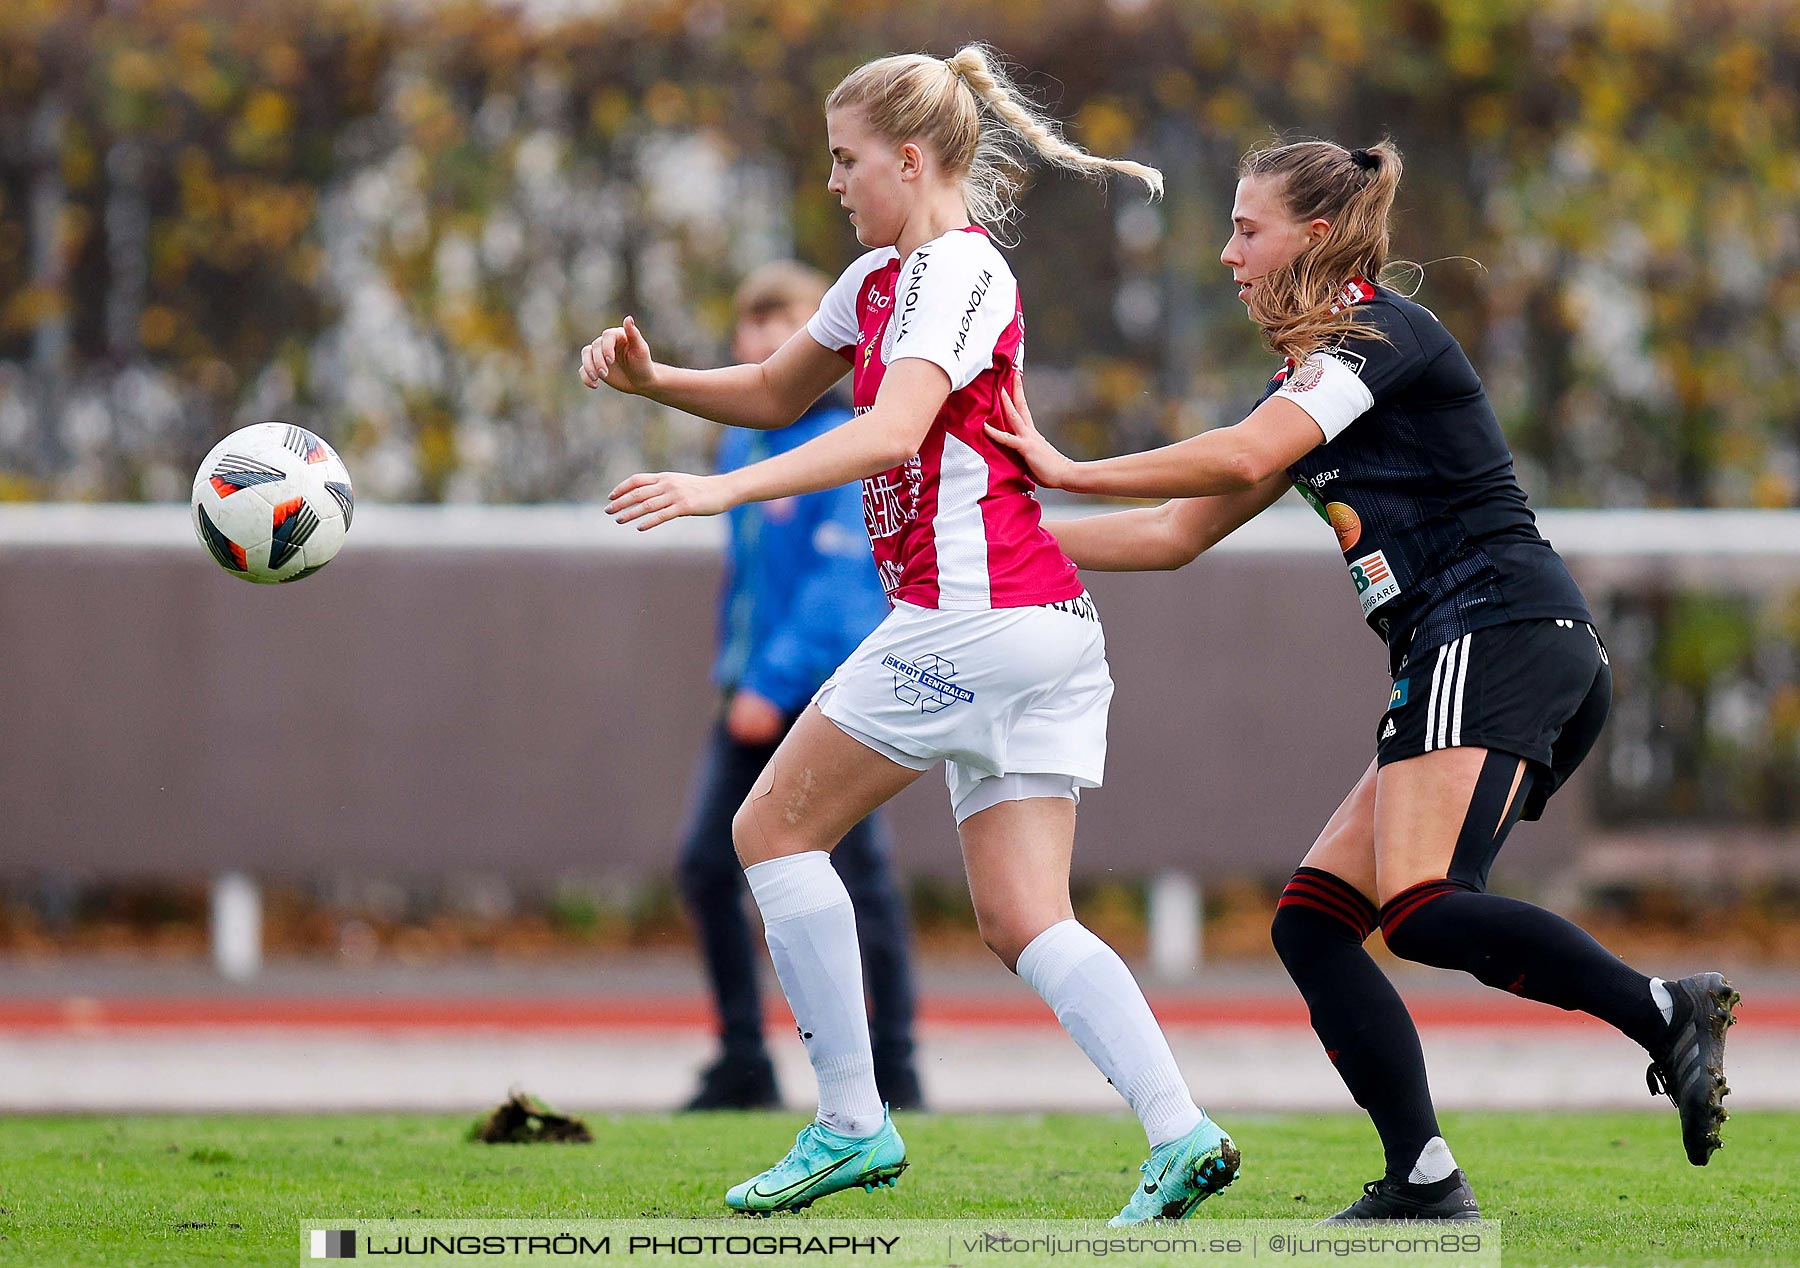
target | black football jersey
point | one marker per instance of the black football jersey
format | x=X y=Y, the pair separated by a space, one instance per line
x=1421 y=492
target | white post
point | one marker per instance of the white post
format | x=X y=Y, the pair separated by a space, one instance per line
x=237 y=934
x=1175 y=919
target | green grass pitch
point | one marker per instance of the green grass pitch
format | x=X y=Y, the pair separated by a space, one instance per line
x=1572 y=1189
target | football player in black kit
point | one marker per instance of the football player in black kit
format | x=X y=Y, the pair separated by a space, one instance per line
x=1501 y=683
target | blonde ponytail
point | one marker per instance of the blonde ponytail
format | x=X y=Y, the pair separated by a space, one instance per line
x=1036 y=128
x=939 y=101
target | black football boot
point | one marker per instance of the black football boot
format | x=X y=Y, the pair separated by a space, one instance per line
x=1448 y=1199
x=1690 y=1065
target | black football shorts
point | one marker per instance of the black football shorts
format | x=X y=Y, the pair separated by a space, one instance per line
x=1540 y=689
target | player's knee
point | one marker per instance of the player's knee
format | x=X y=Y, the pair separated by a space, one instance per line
x=748 y=837
x=1292 y=934
x=1006 y=936
x=1396 y=938
x=994 y=935
x=1417 y=927
x=1422 y=942
x=1304 y=937
x=1399 y=943
x=1318 y=912
x=757 y=840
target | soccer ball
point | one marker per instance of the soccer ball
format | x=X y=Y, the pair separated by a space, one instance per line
x=272 y=503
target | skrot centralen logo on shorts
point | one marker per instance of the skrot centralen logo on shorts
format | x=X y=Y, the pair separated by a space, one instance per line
x=925 y=684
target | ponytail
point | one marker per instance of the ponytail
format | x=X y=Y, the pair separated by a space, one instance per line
x=1036 y=128
x=1301 y=306
x=941 y=102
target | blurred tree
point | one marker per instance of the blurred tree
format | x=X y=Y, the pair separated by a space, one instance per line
x=401 y=222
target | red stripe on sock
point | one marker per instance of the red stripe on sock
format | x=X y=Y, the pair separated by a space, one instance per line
x=1357 y=911
x=1323 y=894
x=1339 y=885
x=1303 y=900
x=1407 y=901
x=1424 y=889
x=1394 y=913
x=1335 y=904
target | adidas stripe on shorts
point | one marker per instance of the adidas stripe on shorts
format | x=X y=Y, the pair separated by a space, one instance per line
x=1540 y=689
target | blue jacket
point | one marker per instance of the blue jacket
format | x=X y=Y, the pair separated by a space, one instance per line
x=800 y=586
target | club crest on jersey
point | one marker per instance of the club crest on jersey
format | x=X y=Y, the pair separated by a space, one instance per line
x=1375 y=583
x=1306 y=378
x=925 y=684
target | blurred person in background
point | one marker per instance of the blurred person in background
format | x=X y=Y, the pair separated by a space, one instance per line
x=800 y=593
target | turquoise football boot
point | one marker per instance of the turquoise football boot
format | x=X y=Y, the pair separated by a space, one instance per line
x=1181 y=1175
x=823 y=1162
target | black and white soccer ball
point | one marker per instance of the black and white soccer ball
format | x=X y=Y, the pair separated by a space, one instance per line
x=272 y=503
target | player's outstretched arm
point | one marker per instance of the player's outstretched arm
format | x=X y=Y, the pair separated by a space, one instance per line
x=767 y=395
x=912 y=392
x=1227 y=460
x=1158 y=538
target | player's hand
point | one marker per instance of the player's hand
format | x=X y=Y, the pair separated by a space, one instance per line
x=1047 y=464
x=753 y=720
x=651 y=499
x=619 y=358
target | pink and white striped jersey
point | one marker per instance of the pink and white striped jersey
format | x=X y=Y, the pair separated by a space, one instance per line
x=956 y=525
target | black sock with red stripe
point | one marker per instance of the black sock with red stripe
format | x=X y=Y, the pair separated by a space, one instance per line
x=1320 y=926
x=1516 y=947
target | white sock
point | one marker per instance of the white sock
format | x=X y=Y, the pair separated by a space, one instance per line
x=811 y=931
x=1434 y=1164
x=1659 y=994
x=1098 y=1002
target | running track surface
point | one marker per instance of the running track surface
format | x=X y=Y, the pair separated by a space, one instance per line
x=1242 y=1052
x=87 y=1014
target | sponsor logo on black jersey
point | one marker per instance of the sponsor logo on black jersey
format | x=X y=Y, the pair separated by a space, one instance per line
x=1345 y=522
x=1375 y=581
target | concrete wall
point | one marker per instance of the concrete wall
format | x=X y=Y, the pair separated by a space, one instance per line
x=414 y=711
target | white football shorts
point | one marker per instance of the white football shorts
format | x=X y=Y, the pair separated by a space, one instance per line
x=1013 y=701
